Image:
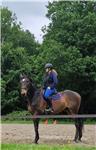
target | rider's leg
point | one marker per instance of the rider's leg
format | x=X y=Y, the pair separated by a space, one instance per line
x=48 y=93
x=47 y=96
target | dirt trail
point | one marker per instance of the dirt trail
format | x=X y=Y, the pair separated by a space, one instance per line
x=49 y=134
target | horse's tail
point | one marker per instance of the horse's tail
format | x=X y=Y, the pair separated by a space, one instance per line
x=81 y=120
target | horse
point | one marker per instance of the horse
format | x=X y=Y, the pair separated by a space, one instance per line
x=68 y=101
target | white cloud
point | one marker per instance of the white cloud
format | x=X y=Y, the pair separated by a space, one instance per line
x=31 y=14
x=34 y=24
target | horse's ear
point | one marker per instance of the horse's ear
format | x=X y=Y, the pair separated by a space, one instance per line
x=31 y=80
x=21 y=76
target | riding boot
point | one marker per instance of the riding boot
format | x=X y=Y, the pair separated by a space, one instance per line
x=49 y=109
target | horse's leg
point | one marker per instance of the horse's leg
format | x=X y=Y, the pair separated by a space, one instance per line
x=77 y=130
x=70 y=112
x=81 y=123
x=78 y=133
x=79 y=127
x=36 y=125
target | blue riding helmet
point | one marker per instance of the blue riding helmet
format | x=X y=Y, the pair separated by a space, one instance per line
x=48 y=65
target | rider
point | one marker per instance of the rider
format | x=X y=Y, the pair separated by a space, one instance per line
x=50 y=83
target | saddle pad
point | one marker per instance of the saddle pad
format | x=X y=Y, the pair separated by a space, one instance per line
x=56 y=96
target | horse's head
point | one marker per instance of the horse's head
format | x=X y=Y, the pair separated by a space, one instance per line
x=26 y=84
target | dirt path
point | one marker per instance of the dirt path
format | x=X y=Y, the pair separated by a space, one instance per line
x=49 y=134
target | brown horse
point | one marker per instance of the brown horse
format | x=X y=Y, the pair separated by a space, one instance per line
x=68 y=102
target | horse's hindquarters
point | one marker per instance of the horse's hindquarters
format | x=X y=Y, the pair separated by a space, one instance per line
x=69 y=101
x=58 y=105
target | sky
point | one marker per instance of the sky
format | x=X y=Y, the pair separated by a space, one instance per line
x=32 y=14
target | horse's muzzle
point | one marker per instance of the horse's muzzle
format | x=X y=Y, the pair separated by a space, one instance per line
x=23 y=92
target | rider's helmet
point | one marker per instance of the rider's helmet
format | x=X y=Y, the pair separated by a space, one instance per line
x=48 y=65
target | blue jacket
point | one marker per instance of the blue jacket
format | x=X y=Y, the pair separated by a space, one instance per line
x=51 y=79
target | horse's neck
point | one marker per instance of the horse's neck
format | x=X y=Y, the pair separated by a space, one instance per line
x=36 y=102
x=35 y=98
x=31 y=93
x=30 y=97
x=41 y=102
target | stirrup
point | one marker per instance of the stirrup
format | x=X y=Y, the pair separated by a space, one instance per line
x=48 y=111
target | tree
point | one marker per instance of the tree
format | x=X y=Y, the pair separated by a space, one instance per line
x=70 y=44
x=73 y=23
x=18 y=49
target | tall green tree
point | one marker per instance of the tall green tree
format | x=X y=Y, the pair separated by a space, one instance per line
x=73 y=23
x=70 y=44
x=18 y=48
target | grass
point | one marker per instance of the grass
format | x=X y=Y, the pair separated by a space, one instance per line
x=22 y=118
x=43 y=147
x=50 y=121
x=16 y=122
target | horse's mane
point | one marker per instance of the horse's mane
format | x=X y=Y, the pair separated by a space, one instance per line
x=31 y=90
x=34 y=93
x=35 y=98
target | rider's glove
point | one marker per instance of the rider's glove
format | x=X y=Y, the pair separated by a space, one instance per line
x=49 y=87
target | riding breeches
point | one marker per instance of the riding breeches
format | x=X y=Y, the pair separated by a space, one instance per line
x=48 y=92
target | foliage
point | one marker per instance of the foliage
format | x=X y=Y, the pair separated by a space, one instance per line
x=17 y=46
x=17 y=116
x=24 y=117
x=69 y=44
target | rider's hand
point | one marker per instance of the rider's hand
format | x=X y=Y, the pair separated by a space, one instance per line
x=49 y=87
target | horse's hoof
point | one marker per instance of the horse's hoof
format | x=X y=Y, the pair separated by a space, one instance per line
x=76 y=141
x=80 y=140
x=35 y=142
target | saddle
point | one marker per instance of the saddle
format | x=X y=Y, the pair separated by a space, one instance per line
x=56 y=96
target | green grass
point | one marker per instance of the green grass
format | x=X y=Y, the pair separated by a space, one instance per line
x=16 y=122
x=22 y=117
x=43 y=147
x=50 y=121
